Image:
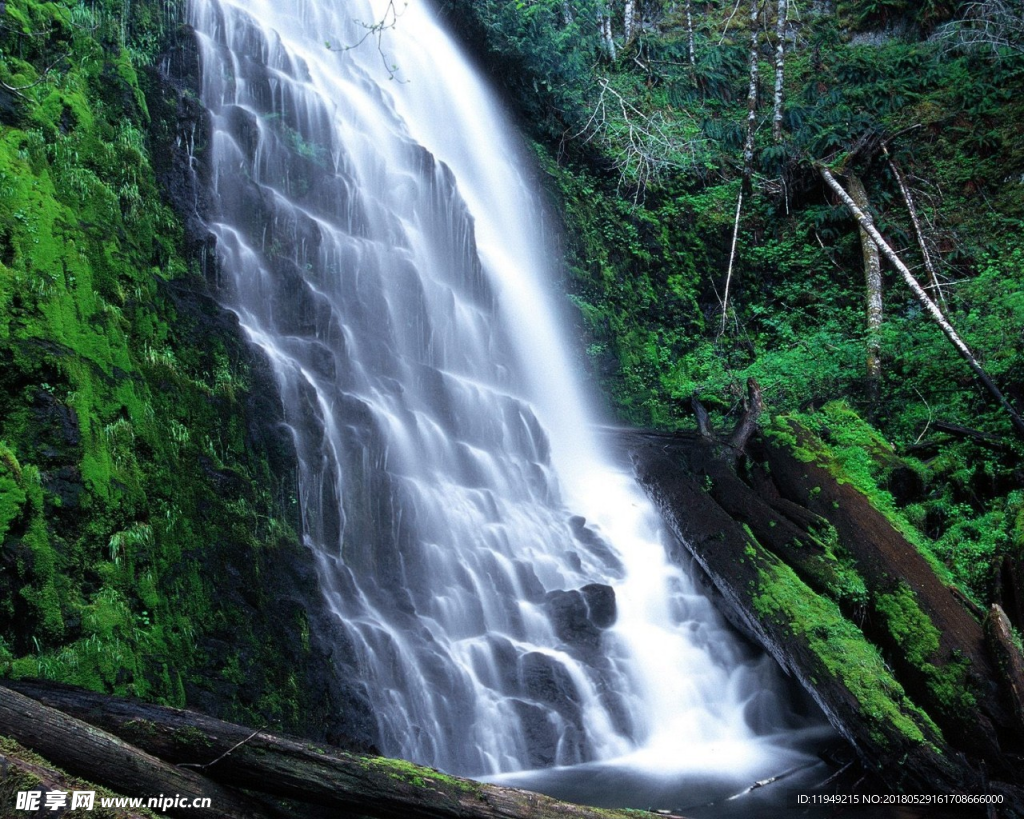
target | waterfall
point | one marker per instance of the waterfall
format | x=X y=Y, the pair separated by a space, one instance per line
x=503 y=586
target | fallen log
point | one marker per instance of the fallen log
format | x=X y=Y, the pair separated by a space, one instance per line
x=320 y=775
x=1008 y=659
x=804 y=631
x=18 y=774
x=740 y=524
x=935 y=645
x=83 y=750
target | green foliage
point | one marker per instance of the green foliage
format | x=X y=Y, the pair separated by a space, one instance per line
x=129 y=484
x=868 y=14
x=543 y=58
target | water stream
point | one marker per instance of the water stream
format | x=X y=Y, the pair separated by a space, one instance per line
x=503 y=585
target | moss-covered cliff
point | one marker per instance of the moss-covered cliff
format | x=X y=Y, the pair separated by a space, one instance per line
x=148 y=521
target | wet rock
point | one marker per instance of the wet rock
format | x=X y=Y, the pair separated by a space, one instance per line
x=547 y=681
x=579 y=616
x=587 y=537
x=600 y=601
x=540 y=733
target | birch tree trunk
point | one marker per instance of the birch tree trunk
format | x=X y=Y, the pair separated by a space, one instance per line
x=873 y=285
x=689 y=33
x=780 y=64
x=864 y=220
x=732 y=258
x=604 y=21
x=629 y=20
x=748 y=144
x=566 y=12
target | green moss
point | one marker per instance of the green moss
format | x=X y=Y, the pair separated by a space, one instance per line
x=419 y=776
x=191 y=737
x=118 y=434
x=911 y=627
x=948 y=680
x=843 y=653
x=854 y=453
x=12 y=493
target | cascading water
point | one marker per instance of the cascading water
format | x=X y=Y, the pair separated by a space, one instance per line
x=504 y=589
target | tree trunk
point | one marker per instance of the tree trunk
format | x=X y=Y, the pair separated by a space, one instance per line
x=748 y=143
x=746 y=574
x=689 y=33
x=605 y=22
x=909 y=199
x=732 y=259
x=747 y=423
x=864 y=220
x=1008 y=660
x=629 y=20
x=318 y=775
x=780 y=64
x=566 y=13
x=873 y=290
x=100 y=757
x=46 y=778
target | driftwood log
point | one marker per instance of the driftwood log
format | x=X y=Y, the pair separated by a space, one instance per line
x=225 y=754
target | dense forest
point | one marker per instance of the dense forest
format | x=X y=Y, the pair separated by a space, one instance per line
x=814 y=207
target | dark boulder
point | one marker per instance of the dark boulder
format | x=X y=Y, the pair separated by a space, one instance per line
x=580 y=615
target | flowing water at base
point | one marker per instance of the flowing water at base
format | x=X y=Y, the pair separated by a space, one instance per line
x=504 y=589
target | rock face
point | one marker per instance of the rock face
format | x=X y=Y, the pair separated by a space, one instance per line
x=846 y=604
x=277 y=593
x=580 y=615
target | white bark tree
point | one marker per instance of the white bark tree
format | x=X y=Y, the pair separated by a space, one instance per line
x=689 y=33
x=629 y=20
x=873 y=285
x=866 y=223
x=604 y=22
x=780 y=66
x=748 y=143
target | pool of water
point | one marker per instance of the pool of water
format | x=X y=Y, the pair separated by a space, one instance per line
x=793 y=783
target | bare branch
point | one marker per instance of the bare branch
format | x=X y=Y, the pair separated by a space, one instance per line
x=388 y=20
x=992 y=24
x=641 y=144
